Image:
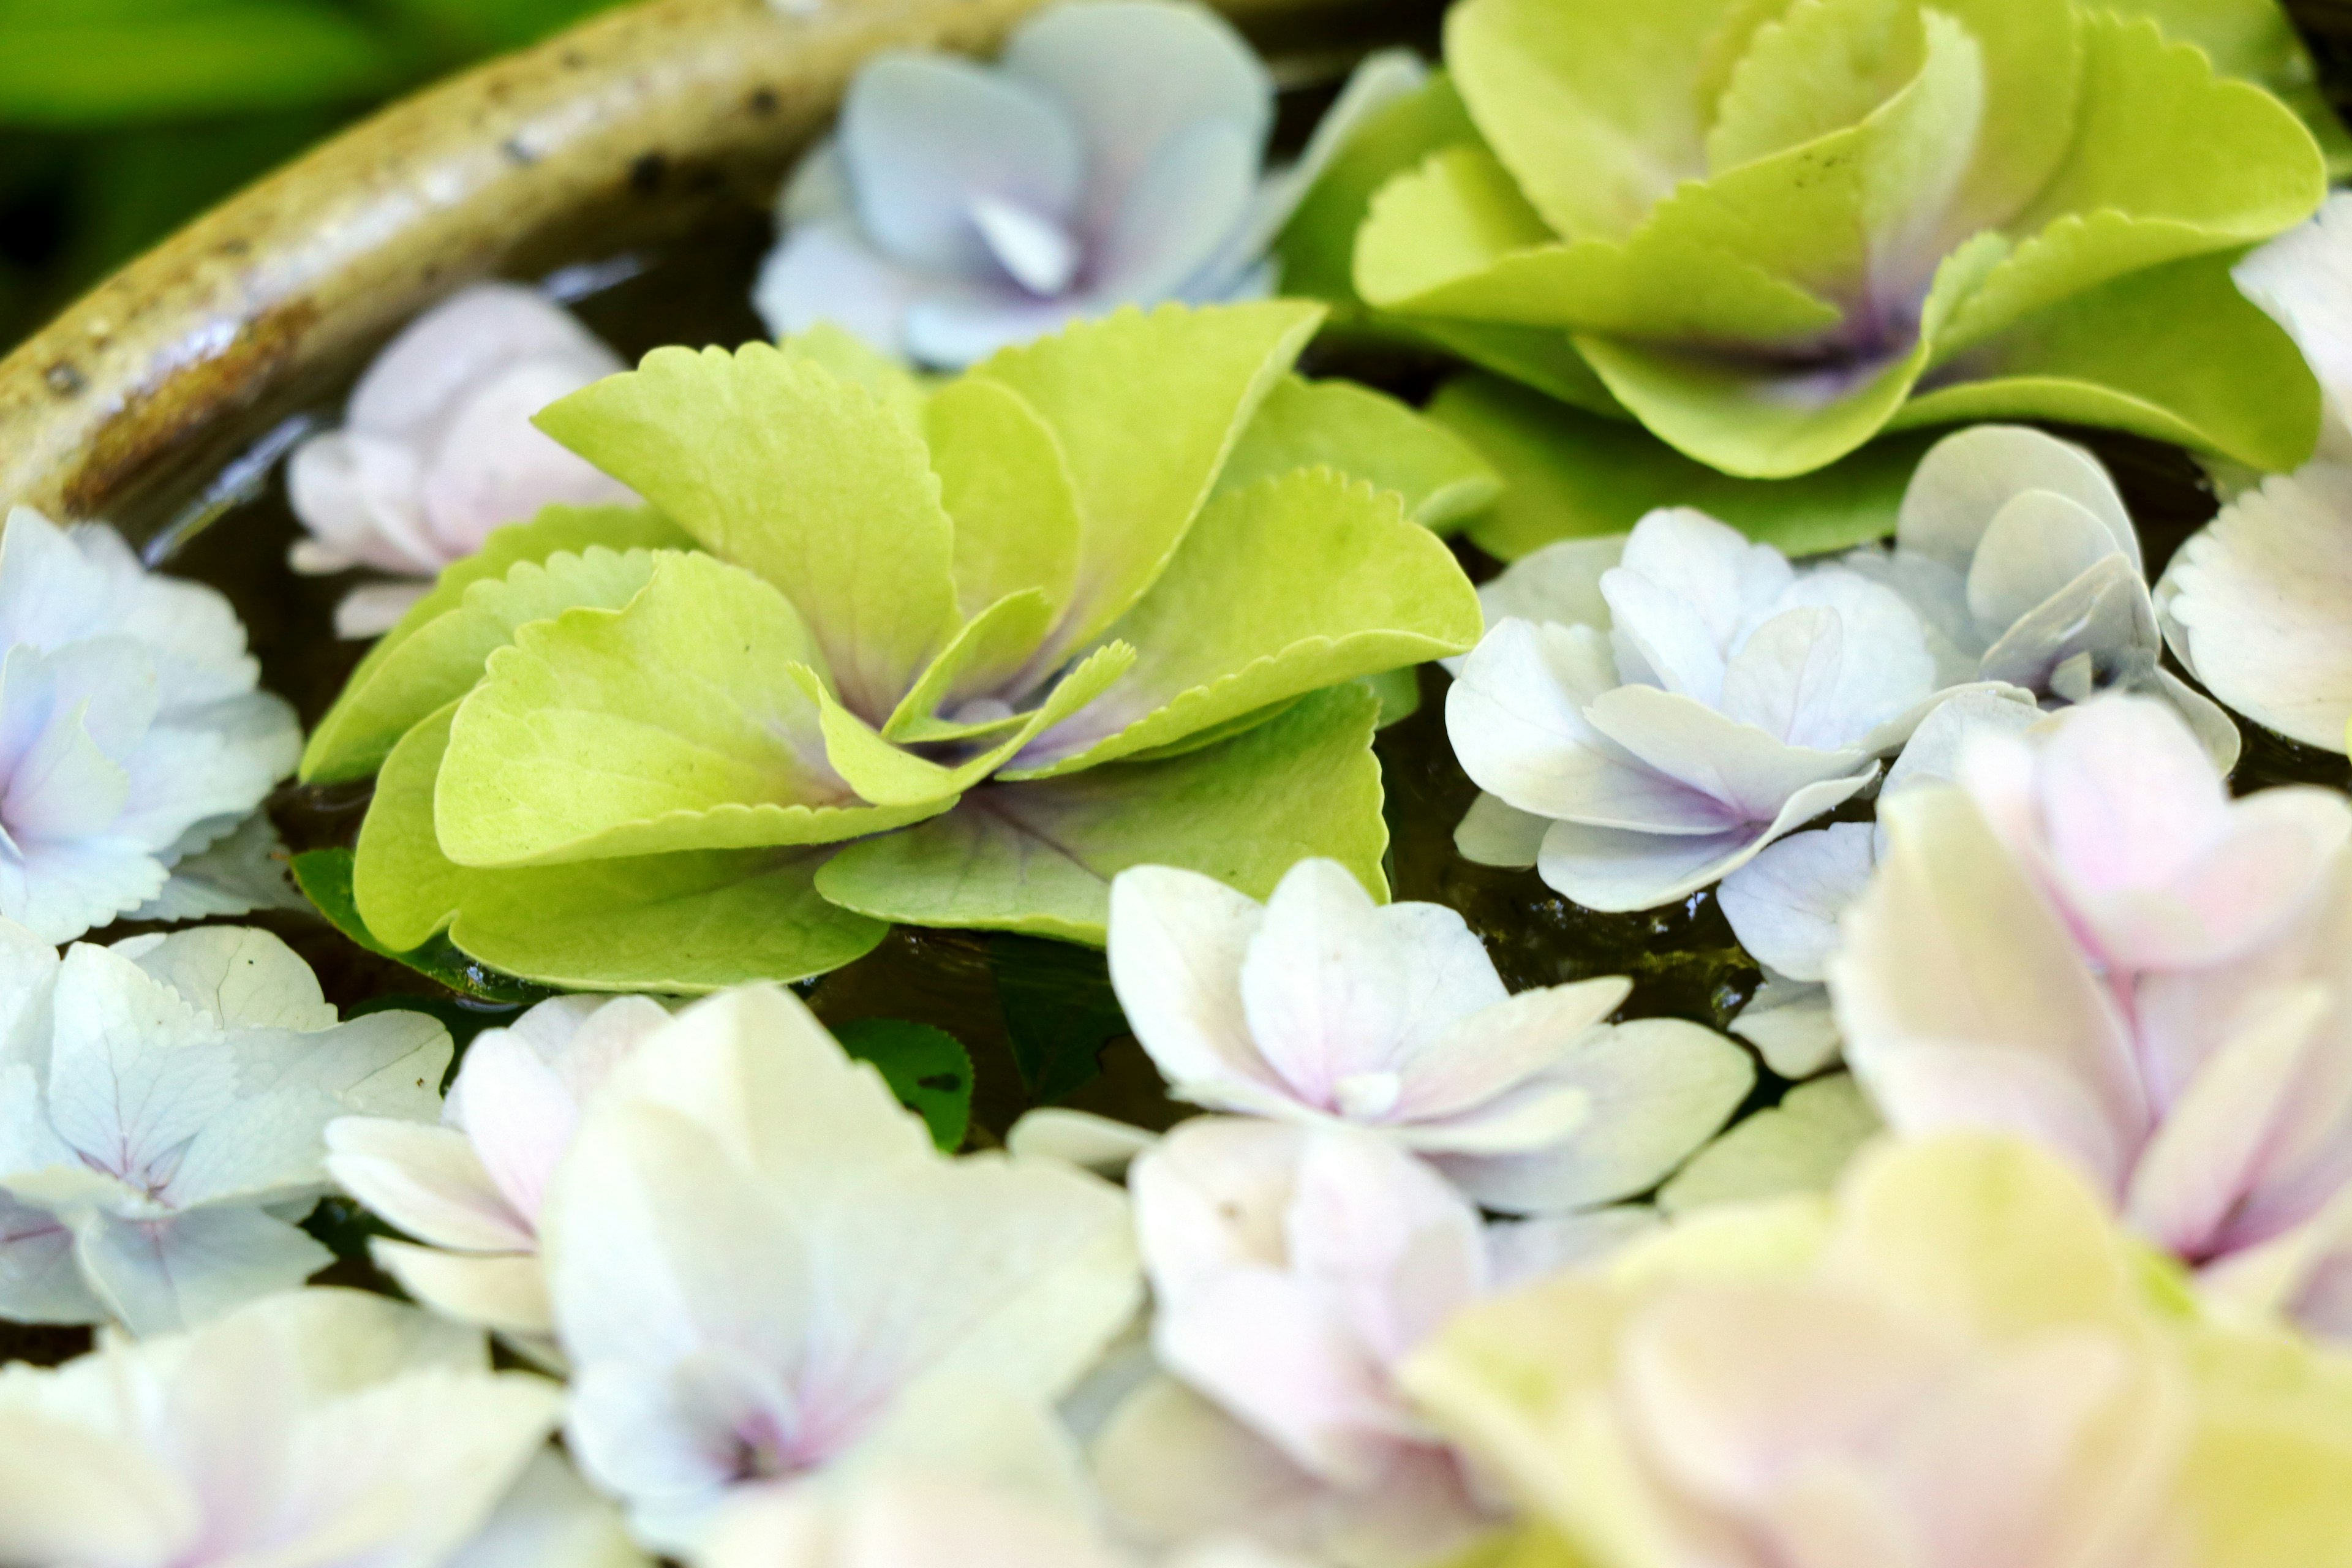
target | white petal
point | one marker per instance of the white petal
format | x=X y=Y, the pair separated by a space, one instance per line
x=40 y=1280
x=1560 y=582
x=160 y=1275
x=1501 y=1045
x=2038 y=542
x=1184 y=205
x=1177 y=943
x=1792 y=1027
x=2303 y=279
x=237 y=874
x=2258 y=598
x=1966 y=478
x=826 y=272
x=468 y=337
x=1659 y=1088
x=520 y=1117
x=494 y=467
x=362 y=499
x=1614 y=871
x=504 y=1292
x=2104 y=619
x=373 y=609
x=1687 y=588
x=237 y=975
x=1325 y=985
x=1797 y=1146
x=426 y=1180
x=1750 y=772
x=71 y=1495
x=1520 y=1252
x=1784 y=904
x=923 y=136
x=1078 y=1138
x=548 y=1519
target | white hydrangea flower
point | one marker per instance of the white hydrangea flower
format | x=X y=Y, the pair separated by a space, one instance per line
x=161 y=1104
x=1319 y=1006
x=2017 y=551
x=1726 y=699
x=437 y=448
x=471 y=1189
x=2253 y=602
x=317 y=1429
x=131 y=734
x=1112 y=155
x=763 y=1272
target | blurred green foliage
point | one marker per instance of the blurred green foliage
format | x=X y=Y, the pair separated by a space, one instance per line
x=122 y=119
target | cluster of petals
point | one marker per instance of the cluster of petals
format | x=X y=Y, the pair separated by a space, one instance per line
x=162 y=1108
x=1113 y=155
x=1956 y=1363
x=437 y=448
x=1647 y=717
x=132 y=735
x=315 y=1429
x=2253 y=604
x=470 y=1190
x=1323 y=1008
x=2088 y=943
x=763 y=1276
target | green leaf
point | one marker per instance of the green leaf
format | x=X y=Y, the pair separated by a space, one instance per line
x=1595 y=109
x=1318 y=248
x=686 y=922
x=1038 y=857
x=1365 y=434
x=2167 y=162
x=1059 y=1009
x=1570 y=475
x=1399 y=691
x=351 y=741
x=927 y=1070
x=72 y=65
x=2175 y=353
x=1145 y=408
x=776 y=464
x=325 y=877
x=682 y=721
x=1294 y=584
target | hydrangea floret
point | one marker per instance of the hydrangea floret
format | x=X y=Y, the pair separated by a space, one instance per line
x=2088 y=943
x=949 y=657
x=1112 y=155
x=468 y=1190
x=1319 y=1007
x=323 y=1427
x=1771 y=231
x=131 y=736
x=763 y=1274
x=1957 y=1360
x=436 y=447
x=1293 y=1268
x=1648 y=716
x=2253 y=602
x=161 y=1104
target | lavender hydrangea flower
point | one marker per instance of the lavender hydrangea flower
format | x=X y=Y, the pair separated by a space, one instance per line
x=131 y=736
x=1114 y=155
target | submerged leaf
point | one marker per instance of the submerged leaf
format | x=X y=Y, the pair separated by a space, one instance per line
x=927 y=1068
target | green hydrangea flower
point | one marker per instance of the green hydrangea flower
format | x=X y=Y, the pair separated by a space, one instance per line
x=879 y=650
x=1770 y=229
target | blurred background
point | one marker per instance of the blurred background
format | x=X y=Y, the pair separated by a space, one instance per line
x=122 y=119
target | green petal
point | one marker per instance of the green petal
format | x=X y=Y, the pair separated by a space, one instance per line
x=689 y=922
x=1455 y=238
x=2175 y=353
x=1799 y=1146
x=1365 y=434
x=676 y=723
x=1006 y=482
x=1817 y=69
x=1539 y=357
x=1039 y=856
x=2254 y=40
x=2032 y=53
x=1569 y=475
x=347 y=745
x=1146 y=409
x=1291 y=584
x=2168 y=161
x=1595 y=107
x=442 y=659
x=1318 y=248
x=776 y=464
x=986 y=650
x=849 y=357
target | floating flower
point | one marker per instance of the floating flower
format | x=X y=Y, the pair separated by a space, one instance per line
x=1321 y=1007
x=1110 y=157
x=1293 y=1270
x=2092 y=946
x=131 y=735
x=951 y=657
x=437 y=448
x=1728 y=699
x=2015 y=549
x=161 y=1109
x=763 y=1272
x=1769 y=232
x=1954 y=1367
x=471 y=1189
x=2253 y=604
x=317 y=1429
